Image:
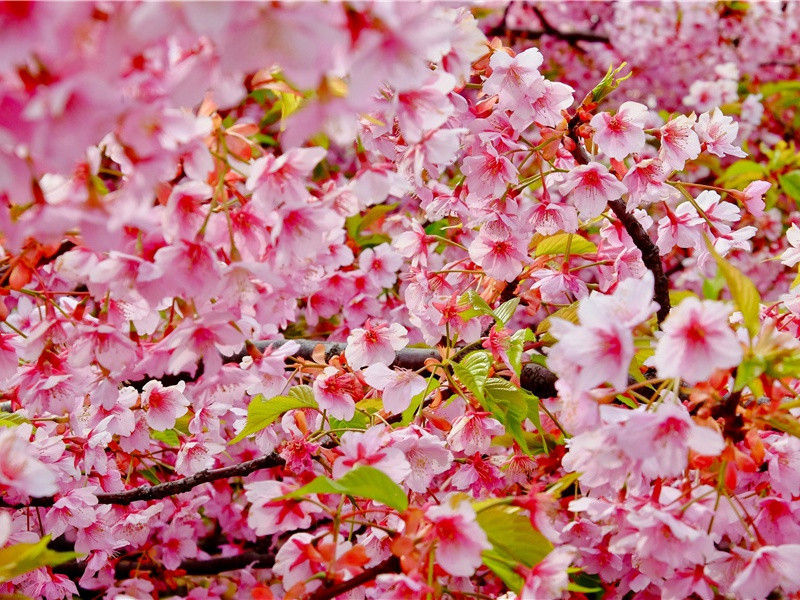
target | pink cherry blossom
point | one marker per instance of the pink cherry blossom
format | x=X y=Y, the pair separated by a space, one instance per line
x=768 y=568
x=163 y=405
x=459 y=538
x=591 y=187
x=620 y=134
x=21 y=471
x=718 y=132
x=697 y=339
x=498 y=251
x=549 y=579
x=754 y=197
x=335 y=392
x=399 y=386
x=679 y=142
x=377 y=343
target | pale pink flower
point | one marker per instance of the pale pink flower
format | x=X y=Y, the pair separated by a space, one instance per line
x=784 y=465
x=8 y=356
x=73 y=509
x=791 y=256
x=753 y=197
x=178 y=541
x=645 y=183
x=679 y=142
x=272 y=178
x=473 y=432
x=426 y=454
x=197 y=456
x=335 y=391
x=398 y=385
x=268 y=516
x=622 y=134
x=498 y=251
x=371 y=448
x=20 y=469
x=768 y=568
x=163 y=405
x=376 y=343
x=591 y=187
x=488 y=174
x=559 y=286
x=682 y=227
x=550 y=218
x=660 y=440
x=459 y=538
x=545 y=105
x=513 y=78
x=717 y=133
x=184 y=214
x=696 y=340
x=208 y=336
x=380 y=264
x=548 y=579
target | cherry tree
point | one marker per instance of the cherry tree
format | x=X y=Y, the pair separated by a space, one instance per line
x=399 y=300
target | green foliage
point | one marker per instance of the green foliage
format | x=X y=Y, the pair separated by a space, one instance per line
x=361 y=482
x=479 y=307
x=790 y=184
x=472 y=372
x=21 y=558
x=559 y=243
x=743 y=291
x=262 y=412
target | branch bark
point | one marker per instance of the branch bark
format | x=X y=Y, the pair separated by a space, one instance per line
x=390 y=565
x=169 y=488
x=651 y=257
x=548 y=29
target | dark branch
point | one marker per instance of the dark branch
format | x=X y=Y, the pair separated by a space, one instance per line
x=170 y=488
x=390 y=565
x=210 y=566
x=651 y=257
x=548 y=29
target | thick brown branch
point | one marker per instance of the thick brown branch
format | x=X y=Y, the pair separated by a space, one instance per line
x=171 y=488
x=390 y=565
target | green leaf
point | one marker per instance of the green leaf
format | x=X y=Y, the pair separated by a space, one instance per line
x=786 y=423
x=515 y=348
x=776 y=87
x=743 y=291
x=507 y=403
x=505 y=311
x=741 y=173
x=609 y=83
x=504 y=569
x=557 y=244
x=261 y=413
x=472 y=371
x=511 y=534
x=790 y=184
x=750 y=368
x=21 y=558
x=169 y=437
x=416 y=401
x=568 y=313
x=12 y=419
x=362 y=482
x=478 y=306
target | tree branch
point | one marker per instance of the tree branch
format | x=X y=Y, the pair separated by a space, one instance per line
x=209 y=566
x=169 y=488
x=548 y=29
x=390 y=565
x=651 y=257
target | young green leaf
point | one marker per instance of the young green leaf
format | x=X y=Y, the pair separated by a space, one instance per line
x=261 y=413
x=472 y=371
x=21 y=558
x=743 y=291
x=362 y=482
x=557 y=244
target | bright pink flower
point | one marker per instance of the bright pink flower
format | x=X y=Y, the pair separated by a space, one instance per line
x=377 y=343
x=559 y=286
x=178 y=541
x=20 y=469
x=661 y=439
x=398 y=385
x=197 y=456
x=74 y=509
x=622 y=134
x=8 y=357
x=272 y=178
x=551 y=218
x=335 y=391
x=426 y=108
x=186 y=210
x=679 y=142
x=645 y=183
x=697 y=339
x=459 y=538
x=163 y=405
x=717 y=133
x=591 y=187
x=548 y=579
x=106 y=344
x=682 y=227
x=768 y=568
x=784 y=465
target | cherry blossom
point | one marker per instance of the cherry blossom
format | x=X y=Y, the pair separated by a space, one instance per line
x=620 y=134
x=459 y=539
